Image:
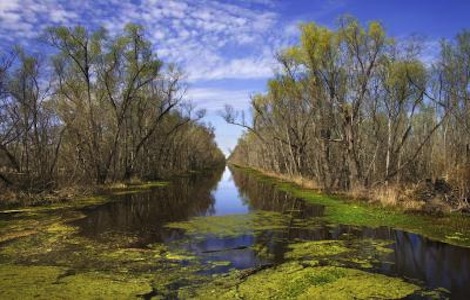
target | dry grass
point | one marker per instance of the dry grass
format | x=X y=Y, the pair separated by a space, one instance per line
x=115 y=186
x=396 y=196
x=297 y=179
x=459 y=178
x=359 y=193
x=13 y=198
x=436 y=197
x=306 y=183
x=385 y=195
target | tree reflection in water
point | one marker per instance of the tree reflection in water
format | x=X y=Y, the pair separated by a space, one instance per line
x=144 y=215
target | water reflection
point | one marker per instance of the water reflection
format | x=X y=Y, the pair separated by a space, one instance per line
x=263 y=196
x=144 y=215
x=435 y=263
x=227 y=198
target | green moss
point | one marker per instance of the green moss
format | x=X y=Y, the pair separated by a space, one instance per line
x=316 y=249
x=294 y=281
x=451 y=228
x=360 y=285
x=46 y=282
x=356 y=253
x=232 y=225
x=83 y=266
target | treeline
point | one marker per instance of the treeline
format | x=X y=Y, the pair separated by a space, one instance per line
x=351 y=108
x=95 y=108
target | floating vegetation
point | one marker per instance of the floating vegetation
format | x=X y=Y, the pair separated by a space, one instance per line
x=316 y=249
x=49 y=282
x=237 y=225
x=289 y=254
x=295 y=281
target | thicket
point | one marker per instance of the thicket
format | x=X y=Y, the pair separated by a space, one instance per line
x=96 y=108
x=352 y=109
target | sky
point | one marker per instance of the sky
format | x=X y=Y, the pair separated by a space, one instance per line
x=226 y=48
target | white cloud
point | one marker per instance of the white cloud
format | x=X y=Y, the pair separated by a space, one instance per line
x=244 y=68
x=26 y=19
x=214 y=99
x=211 y=39
x=8 y=6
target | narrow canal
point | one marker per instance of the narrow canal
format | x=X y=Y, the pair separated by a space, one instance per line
x=235 y=221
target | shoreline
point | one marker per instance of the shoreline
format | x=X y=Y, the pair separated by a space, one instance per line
x=451 y=228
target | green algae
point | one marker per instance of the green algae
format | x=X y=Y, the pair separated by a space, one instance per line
x=49 y=282
x=48 y=236
x=57 y=243
x=232 y=225
x=316 y=249
x=294 y=281
x=360 y=285
x=369 y=246
x=40 y=240
x=59 y=248
x=150 y=185
x=253 y=223
x=357 y=253
x=177 y=274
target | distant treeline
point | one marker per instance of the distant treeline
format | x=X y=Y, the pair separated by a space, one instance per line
x=353 y=108
x=95 y=108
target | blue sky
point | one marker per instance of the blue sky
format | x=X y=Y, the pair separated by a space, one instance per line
x=226 y=47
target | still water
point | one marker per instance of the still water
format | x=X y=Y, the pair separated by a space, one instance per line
x=145 y=217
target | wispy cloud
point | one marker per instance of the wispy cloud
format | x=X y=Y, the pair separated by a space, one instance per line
x=214 y=99
x=210 y=39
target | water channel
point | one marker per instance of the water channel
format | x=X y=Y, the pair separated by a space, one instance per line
x=235 y=197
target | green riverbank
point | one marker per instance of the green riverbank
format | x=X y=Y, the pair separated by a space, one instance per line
x=452 y=228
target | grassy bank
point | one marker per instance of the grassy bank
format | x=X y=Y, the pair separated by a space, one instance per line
x=71 y=197
x=452 y=228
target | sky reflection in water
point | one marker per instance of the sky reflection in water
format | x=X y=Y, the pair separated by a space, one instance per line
x=232 y=192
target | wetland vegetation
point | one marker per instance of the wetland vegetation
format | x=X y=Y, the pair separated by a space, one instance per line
x=227 y=234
